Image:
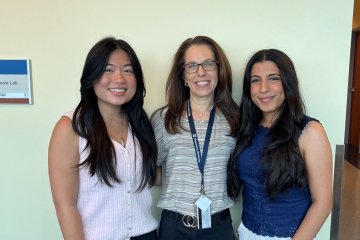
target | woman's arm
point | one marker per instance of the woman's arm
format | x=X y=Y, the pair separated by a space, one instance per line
x=317 y=153
x=64 y=178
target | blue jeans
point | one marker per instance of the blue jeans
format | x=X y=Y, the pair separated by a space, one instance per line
x=172 y=227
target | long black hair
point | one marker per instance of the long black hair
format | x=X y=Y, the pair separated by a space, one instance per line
x=89 y=124
x=283 y=163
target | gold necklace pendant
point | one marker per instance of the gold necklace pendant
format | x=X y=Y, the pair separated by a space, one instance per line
x=122 y=141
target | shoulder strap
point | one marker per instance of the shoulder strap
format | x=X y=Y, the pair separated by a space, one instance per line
x=306 y=120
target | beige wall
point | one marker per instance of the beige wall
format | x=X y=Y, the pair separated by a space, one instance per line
x=56 y=36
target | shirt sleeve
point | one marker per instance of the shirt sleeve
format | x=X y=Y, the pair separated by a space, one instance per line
x=159 y=129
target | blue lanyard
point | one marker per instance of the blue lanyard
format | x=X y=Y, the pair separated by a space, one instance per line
x=201 y=158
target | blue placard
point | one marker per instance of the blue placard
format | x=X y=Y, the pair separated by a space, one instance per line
x=15 y=81
x=13 y=67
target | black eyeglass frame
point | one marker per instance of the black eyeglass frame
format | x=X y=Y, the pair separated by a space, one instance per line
x=198 y=64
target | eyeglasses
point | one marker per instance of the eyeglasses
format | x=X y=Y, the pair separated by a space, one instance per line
x=208 y=65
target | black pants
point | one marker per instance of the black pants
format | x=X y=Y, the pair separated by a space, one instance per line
x=147 y=236
x=173 y=228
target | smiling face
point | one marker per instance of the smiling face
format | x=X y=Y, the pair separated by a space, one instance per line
x=266 y=89
x=117 y=85
x=202 y=83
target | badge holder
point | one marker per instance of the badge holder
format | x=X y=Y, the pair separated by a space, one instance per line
x=203 y=212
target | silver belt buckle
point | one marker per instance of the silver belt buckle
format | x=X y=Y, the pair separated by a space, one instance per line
x=189 y=221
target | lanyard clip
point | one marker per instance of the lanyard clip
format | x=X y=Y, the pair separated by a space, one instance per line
x=202 y=190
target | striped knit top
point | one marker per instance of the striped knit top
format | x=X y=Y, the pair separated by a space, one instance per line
x=181 y=179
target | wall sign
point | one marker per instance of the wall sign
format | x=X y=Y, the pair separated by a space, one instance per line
x=15 y=82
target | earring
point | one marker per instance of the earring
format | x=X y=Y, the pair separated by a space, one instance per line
x=186 y=84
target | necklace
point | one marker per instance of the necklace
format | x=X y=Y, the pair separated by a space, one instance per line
x=123 y=134
x=122 y=141
x=202 y=116
x=119 y=132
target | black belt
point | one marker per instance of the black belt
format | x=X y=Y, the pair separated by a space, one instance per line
x=191 y=221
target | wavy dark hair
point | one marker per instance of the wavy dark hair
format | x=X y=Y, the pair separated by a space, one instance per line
x=177 y=93
x=89 y=124
x=283 y=163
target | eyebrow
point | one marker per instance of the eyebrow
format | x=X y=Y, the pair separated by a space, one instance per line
x=125 y=65
x=269 y=75
x=274 y=74
x=192 y=62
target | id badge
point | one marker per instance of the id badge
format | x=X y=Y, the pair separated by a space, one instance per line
x=203 y=210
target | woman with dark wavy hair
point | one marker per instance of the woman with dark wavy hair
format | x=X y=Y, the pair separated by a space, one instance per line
x=283 y=159
x=193 y=132
x=102 y=155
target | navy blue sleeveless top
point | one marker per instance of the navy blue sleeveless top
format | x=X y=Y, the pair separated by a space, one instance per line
x=280 y=217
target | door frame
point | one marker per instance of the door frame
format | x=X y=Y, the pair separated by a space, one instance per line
x=350 y=84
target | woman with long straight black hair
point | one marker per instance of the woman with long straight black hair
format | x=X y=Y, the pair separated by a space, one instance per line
x=102 y=155
x=282 y=159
